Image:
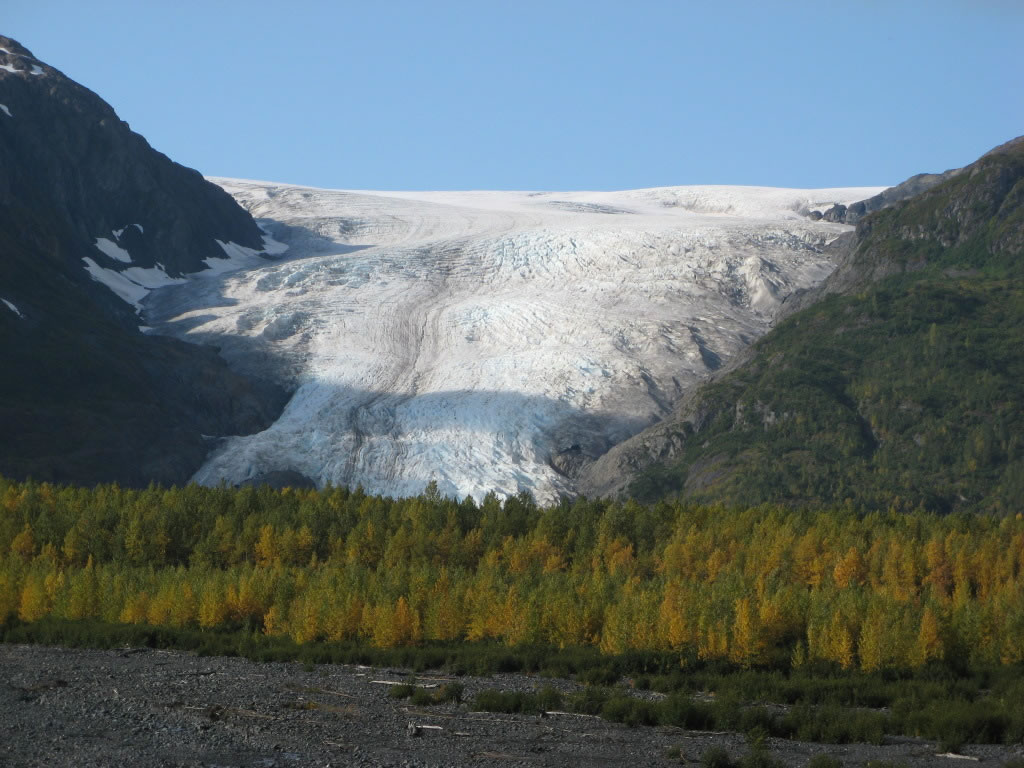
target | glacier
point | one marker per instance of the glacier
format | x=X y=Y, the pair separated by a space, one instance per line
x=488 y=341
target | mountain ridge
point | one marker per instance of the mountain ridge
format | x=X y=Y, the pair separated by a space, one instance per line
x=898 y=385
x=85 y=396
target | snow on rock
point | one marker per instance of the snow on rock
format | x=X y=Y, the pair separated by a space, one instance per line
x=5 y=110
x=132 y=284
x=486 y=340
x=112 y=249
x=239 y=257
x=126 y=289
x=13 y=308
x=36 y=69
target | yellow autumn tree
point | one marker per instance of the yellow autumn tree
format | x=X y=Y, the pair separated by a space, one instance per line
x=850 y=570
x=24 y=544
x=33 y=604
x=929 y=639
x=747 y=645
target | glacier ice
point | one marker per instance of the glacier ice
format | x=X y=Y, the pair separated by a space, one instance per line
x=478 y=338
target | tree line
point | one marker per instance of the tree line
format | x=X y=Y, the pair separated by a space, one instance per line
x=766 y=585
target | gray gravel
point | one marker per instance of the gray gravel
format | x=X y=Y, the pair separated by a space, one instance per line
x=63 y=707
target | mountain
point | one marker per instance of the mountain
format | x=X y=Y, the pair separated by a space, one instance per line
x=91 y=219
x=490 y=341
x=901 y=385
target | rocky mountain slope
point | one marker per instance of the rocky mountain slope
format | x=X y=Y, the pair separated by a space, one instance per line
x=900 y=386
x=92 y=218
x=490 y=340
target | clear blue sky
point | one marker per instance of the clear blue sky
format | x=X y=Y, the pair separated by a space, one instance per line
x=486 y=94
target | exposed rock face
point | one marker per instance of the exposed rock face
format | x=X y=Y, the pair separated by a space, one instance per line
x=63 y=146
x=84 y=396
x=915 y=185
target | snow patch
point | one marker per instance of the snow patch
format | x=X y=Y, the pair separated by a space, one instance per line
x=113 y=250
x=152 y=277
x=13 y=308
x=5 y=110
x=238 y=257
x=126 y=289
x=36 y=69
x=134 y=283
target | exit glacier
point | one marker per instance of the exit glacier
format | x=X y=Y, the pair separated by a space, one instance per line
x=489 y=341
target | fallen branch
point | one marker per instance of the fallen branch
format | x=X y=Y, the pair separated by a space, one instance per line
x=400 y=682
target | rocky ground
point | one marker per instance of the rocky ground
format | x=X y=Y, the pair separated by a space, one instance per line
x=61 y=707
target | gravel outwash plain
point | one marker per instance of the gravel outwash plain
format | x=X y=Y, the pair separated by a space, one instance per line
x=142 y=707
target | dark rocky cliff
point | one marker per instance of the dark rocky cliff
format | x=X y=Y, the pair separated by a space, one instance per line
x=61 y=145
x=84 y=396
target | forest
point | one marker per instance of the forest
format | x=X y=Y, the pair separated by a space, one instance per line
x=756 y=587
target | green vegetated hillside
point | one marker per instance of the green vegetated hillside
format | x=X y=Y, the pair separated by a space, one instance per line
x=902 y=390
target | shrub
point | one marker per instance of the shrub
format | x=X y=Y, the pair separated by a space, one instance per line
x=716 y=757
x=421 y=697
x=451 y=693
x=511 y=702
x=681 y=711
x=758 y=758
x=549 y=698
x=632 y=712
x=403 y=691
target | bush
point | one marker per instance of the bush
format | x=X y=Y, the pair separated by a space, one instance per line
x=403 y=691
x=833 y=725
x=630 y=711
x=716 y=757
x=451 y=693
x=825 y=761
x=758 y=758
x=549 y=698
x=421 y=697
x=600 y=676
x=511 y=702
x=683 y=712
x=589 y=701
